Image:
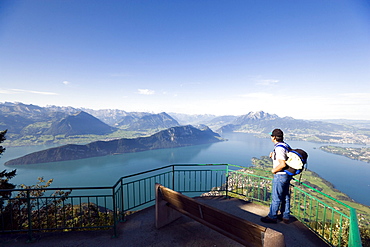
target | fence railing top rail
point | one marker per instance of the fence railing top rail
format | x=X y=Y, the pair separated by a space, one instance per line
x=226 y=168
x=162 y=168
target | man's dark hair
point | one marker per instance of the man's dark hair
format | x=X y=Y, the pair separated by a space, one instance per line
x=279 y=135
x=279 y=138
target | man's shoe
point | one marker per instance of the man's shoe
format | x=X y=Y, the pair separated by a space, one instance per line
x=285 y=220
x=268 y=220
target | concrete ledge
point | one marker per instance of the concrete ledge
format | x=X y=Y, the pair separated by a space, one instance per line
x=163 y=215
x=238 y=229
x=273 y=238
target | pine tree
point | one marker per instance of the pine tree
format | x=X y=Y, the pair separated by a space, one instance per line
x=2 y=139
x=4 y=175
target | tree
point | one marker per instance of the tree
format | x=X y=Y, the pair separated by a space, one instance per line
x=4 y=175
x=51 y=211
x=4 y=181
x=2 y=139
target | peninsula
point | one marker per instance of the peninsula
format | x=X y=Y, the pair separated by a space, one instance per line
x=362 y=154
x=180 y=136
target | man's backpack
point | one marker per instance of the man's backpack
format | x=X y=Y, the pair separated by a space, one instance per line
x=297 y=158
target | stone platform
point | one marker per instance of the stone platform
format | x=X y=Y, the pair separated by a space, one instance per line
x=139 y=230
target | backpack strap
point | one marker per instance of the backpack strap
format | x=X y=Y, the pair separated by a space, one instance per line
x=286 y=146
x=283 y=145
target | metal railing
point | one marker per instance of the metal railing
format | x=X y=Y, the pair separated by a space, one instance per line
x=50 y=209
x=136 y=191
x=332 y=220
x=88 y=208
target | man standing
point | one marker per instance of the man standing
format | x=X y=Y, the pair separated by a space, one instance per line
x=280 y=183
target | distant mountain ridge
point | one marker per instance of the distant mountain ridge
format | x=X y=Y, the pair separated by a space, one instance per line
x=170 y=138
x=81 y=123
x=27 y=124
x=17 y=116
x=262 y=122
x=150 y=121
x=22 y=120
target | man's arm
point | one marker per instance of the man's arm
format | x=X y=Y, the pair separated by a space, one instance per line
x=280 y=167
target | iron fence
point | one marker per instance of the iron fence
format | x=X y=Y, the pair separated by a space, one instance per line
x=89 y=208
x=332 y=220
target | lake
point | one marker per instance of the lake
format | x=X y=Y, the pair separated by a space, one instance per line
x=348 y=176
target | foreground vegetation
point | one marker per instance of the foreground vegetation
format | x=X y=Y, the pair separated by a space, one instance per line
x=52 y=212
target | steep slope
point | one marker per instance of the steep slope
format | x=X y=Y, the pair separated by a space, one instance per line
x=108 y=116
x=14 y=123
x=17 y=116
x=170 y=138
x=81 y=123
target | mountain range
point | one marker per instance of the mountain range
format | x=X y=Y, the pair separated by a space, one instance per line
x=170 y=138
x=262 y=121
x=29 y=122
x=148 y=122
x=22 y=120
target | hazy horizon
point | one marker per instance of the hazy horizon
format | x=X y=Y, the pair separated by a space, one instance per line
x=204 y=114
x=305 y=59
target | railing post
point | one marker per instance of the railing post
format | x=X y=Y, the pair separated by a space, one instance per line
x=173 y=177
x=354 y=233
x=114 y=214
x=29 y=211
x=227 y=181
x=122 y=216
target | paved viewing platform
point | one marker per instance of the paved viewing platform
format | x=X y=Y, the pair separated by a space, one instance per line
x=139 y=230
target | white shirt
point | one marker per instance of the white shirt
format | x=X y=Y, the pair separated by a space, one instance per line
x=280 y=153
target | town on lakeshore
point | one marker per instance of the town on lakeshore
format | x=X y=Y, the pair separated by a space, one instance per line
x=361 y=154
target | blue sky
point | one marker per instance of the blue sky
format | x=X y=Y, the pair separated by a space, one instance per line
x=306 y=59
